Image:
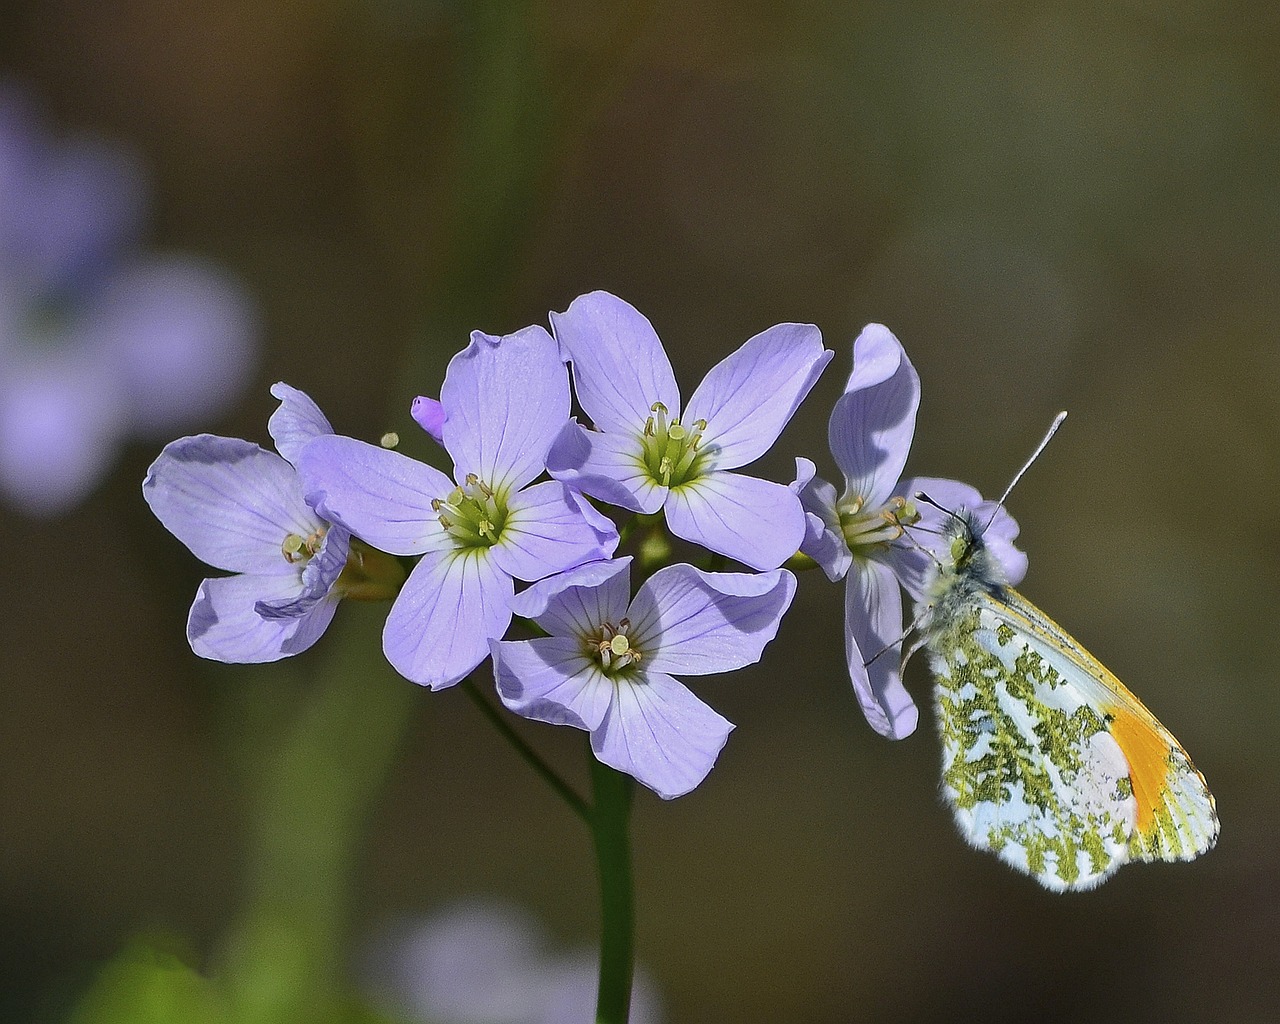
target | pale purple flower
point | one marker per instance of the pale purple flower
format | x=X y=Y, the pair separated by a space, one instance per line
x=861 y=535
x=489 y=963
x=240 y=508
x=98 y=340
x=605 y=665
x=503 y=402
x=647 y=453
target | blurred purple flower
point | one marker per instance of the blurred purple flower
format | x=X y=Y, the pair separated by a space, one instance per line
x=861 y=536
x=241 y=508
x=502 y=403
x=604 y=667
x=487 y=963
x=98 y=341
x=645 y=454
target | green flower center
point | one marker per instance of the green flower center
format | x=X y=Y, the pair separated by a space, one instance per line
x=673 y=453
x=867 y=528
x=473 y=514
x=613 y=649
x=297 y=548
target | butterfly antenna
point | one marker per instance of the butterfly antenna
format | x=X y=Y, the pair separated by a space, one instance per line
x=1053 y=429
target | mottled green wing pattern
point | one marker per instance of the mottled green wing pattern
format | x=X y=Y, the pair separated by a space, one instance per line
x=1029 y=765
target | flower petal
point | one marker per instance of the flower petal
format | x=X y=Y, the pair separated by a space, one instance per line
x=231 y=502
x=296 y=423
x=546 y=532
x=505 y=400
x=381 y=496
x=757 y=522
x=661 y=734
x=429 y=415
x=576 y=603
x=606 y=466
x=451 y=606
x=550 y=679
x=318 y=577
x=823 y=538
x=693 y=622
x=224 y=626
x=750 y=395
x=872 y=622
x=619 y=366
x=873 y=422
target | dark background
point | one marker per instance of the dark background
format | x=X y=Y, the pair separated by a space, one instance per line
x=1069 y=205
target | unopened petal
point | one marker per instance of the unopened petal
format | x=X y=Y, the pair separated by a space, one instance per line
x=694 y=622
x=381 y=496
x=872 y=626
x=429 y=415
x=551 y=679
x=450 y=607
x=505 y=400
x=229 y=501
x=661 y=734
x=619 y=366
x=748 y=397
x=756 y=522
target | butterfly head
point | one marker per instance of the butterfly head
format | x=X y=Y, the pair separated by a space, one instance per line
x=965 y=565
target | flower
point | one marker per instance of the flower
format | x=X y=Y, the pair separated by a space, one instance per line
x=646 y=454
x=241 y=508
x=484 y=962
x=604 y=667
x=502 y=403
x=98 y=341
x=861 y=537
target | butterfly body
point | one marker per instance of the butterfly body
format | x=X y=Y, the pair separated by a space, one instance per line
x=1048 y=760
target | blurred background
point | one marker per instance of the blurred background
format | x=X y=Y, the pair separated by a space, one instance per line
x=1069 y=205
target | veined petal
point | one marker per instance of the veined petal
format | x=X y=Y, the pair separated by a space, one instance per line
x=224 y=626
x=757 y=522
x=873 y=422
x=914 y=555
x=872 y=622
x=296 y=423
x=694 y=622
x=318 y=577
x=546 y=532
x=750 y=395
x=231 y=502
x=576 y=603
x=429 y=415
x=381 y=496
x=451 y=606
x=505 y=400
x=619 y=366
x=823 y=538
x=606 y=466
x=551 y=679
x=661 y=734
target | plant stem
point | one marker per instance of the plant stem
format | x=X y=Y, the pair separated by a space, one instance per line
x=609 y=822
x=547 y=773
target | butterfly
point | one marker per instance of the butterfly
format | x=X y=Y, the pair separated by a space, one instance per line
x=1048 y=760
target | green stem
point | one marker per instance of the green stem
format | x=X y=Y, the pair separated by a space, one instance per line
x=547 y=773
x=609 y=821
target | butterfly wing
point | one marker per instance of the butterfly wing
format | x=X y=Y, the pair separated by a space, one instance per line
x=1048 y=760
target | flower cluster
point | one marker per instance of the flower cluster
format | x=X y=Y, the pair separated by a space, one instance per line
x=98 y=339
x=512 y=532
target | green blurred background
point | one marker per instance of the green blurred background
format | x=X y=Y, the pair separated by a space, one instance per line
x=1068 y=205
